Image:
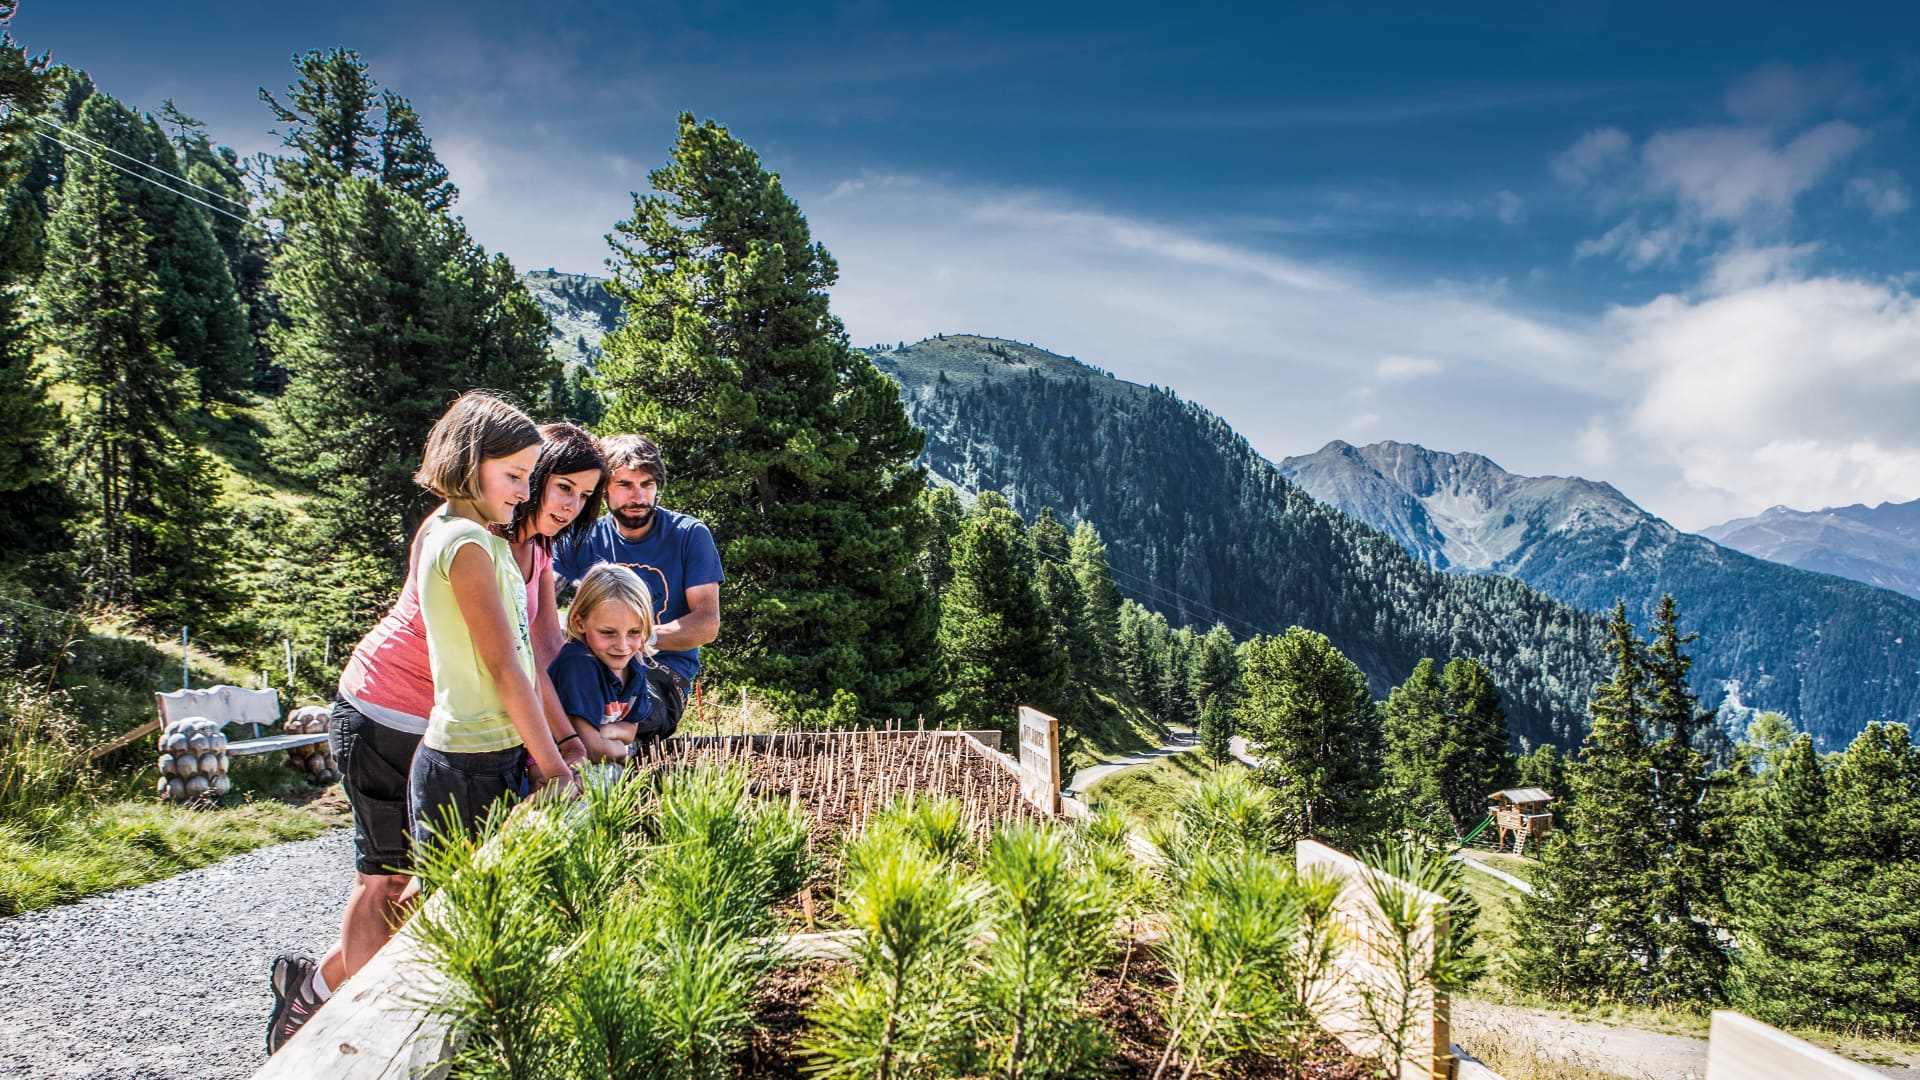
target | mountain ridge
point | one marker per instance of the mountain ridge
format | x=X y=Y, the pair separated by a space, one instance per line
x=1200 y=526
x=1878 y=545
x=1770 y=632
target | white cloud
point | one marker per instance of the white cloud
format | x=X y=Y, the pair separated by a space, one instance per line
x=1733 y=175
x=1597 y=153
x=1509 y=208
x=1745 y=267
x=1882 y=194
x=1788 y=94
x=1399 y=368
x=1635 y=245
x=1791 y=390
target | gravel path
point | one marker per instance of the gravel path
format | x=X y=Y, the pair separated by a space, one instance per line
x=151 y=983
x=1480 y=1026
x=1178 y=742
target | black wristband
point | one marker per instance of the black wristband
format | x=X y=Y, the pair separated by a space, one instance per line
x=575 y=735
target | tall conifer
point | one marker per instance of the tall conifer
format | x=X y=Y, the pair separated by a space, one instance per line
x=787 y=441
x=152 y=536
x=994 y=628
x=1474 y=757
x=1099 y=601
x=1308 y=717
x=1589 y=926
x=197 y=311
x=1685 y=889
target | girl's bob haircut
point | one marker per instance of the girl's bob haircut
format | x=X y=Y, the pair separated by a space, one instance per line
x=568 y=450
x=477 y=426
x=610 y=584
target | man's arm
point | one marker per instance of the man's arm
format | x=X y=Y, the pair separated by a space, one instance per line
x=699 y=626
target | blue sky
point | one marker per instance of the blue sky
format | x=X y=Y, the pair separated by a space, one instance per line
x=1668 y=246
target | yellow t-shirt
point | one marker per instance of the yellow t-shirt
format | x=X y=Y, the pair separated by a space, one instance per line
x=468 y=716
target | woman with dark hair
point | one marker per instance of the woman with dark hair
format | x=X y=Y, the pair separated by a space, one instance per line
x=565 y=490
x=380 y=716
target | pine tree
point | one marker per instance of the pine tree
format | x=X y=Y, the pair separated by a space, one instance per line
x=1862 y=930
x=784 y=439
x=1215 y=678
x=392 y=312
x=943 y=514
x=1060 y=594
x=1588 y=927
x=1099 y=602
x=1784 y=850
x=199 y=318
x=1308 y=717
x=37 y=506
x=994 y=627
x=1413 y=726
x=1135 y=650
x=1474 y=759
x=152 y=536
x=340 y=125
x=246 y=245
x=1685 y=888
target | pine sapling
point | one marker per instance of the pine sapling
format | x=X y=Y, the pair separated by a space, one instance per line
x=1052 y=918
x=902 y=1007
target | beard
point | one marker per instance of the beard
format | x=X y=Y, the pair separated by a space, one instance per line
x=633 y=520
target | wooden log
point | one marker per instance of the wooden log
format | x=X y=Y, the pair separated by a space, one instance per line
x=379 y=1026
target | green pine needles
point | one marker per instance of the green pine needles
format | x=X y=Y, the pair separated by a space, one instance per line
x=618 y=936
x=972 y=961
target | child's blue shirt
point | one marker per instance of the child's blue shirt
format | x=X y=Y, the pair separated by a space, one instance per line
x=594 y=694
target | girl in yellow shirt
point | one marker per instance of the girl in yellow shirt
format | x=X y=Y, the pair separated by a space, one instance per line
x=487 y=738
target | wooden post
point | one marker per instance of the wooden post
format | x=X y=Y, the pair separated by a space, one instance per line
x=1040 y=759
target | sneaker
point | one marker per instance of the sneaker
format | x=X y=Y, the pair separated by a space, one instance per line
x=293 y=1000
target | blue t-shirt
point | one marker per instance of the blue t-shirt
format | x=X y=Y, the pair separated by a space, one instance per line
x=677 y=554
x=594 y=694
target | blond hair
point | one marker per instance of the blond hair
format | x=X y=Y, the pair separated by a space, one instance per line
x=610 y=584
x=478 y=425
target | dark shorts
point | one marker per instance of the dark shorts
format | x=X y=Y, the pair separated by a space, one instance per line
x=374 y=760
x=669 y=695
x=472 y=784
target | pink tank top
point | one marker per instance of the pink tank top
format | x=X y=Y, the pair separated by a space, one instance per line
x=387 y=678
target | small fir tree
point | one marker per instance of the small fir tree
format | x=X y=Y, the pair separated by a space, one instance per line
x=1310 y=720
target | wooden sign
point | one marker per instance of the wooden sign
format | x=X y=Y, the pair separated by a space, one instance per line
x=1040 y=759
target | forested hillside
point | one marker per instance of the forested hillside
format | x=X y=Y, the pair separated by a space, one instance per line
x=1834 y=655
x=1201 y=527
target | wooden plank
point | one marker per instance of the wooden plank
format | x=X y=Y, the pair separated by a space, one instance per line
x=221 y=704
x=379 y=1026
x=1742 y=1048
x=1342 y=1013
x=147 y=728
x=274 y=743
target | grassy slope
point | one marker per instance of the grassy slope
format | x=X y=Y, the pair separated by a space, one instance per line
x=106 y=831
x=1499 y=907
x=1148 y=792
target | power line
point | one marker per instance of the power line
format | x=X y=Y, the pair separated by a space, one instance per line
x=143 y=179
x=51 y=611
x=72 y=134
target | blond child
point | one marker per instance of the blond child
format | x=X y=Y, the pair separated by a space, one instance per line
x=600 y=673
